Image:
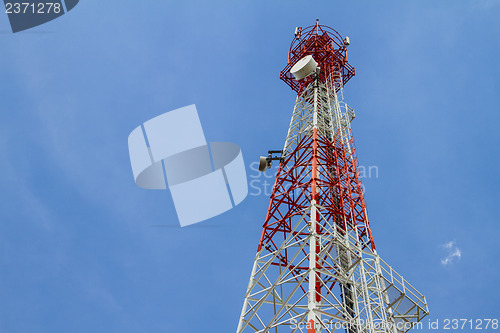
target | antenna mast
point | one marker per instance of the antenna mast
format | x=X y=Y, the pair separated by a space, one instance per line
x=317 y=268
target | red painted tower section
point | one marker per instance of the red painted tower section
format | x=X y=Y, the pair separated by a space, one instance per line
x=334 y=181
x=328 y=49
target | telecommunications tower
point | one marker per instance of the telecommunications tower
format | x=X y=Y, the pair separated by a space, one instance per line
x=316 y=268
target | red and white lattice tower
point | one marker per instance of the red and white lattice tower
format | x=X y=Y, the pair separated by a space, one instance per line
x=316 y=268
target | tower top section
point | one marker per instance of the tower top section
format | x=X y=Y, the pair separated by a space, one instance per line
x=328 y=49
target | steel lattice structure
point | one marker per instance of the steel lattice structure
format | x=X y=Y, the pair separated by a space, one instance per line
x=316 y=268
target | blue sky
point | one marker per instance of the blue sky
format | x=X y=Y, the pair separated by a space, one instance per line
x=83 y=249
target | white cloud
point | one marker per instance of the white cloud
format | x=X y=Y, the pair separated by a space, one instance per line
x=453 y=253
x=448 y=245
